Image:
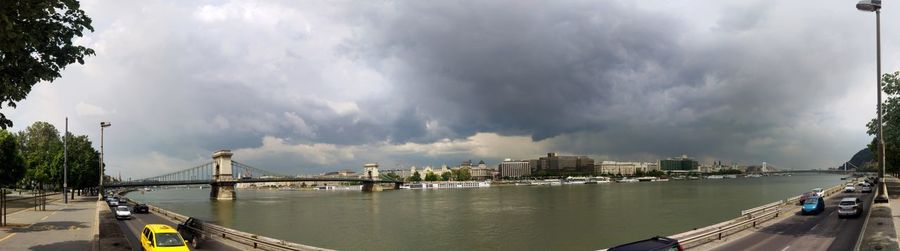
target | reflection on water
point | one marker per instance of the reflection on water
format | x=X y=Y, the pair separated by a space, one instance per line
x=524 y=217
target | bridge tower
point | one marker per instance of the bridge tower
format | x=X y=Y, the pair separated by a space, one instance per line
x=370 y=175
x=223 y=181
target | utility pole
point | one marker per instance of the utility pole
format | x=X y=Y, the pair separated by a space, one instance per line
x=102 y=125
x=66 y=162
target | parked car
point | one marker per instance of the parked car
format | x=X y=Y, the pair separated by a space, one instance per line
x=850 y=206
x=161 y=237
x=865 y=189
x=849 y=189
x=819 y=192
x=114 y=203
x=657 y=243
x=122 y=213
x=141 y=208
x=123 y=201
x=192 y=231
x=813 y=205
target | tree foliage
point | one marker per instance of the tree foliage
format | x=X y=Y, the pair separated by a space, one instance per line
x=446 y=176
x=39 y=149
x=891 y=122
x=415 y=177
x=462 y=174
x=84 y=162
x=12 y=166
x=42 y=150
x=430 y=176
x=36 y=44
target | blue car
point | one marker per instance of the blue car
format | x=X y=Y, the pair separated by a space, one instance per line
x=813 y=205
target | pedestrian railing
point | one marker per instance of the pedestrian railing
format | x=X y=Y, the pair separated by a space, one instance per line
x=750 y=218
x=251 y=240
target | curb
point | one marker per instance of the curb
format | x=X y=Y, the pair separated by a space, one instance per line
x=96 y=239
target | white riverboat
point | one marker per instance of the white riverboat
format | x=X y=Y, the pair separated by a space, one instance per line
x=715 y=177
x=576 y=180
x=448 y=185
x=627 y=180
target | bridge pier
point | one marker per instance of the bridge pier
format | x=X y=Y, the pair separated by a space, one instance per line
x=370 y=186
x=223 y=184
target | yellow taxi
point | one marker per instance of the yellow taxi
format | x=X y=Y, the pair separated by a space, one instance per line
x=161 y=237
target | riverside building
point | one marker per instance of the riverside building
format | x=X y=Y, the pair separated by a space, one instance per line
x=514 y=168
x=554 y=164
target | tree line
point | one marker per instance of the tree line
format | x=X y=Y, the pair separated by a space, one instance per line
x=34 y=158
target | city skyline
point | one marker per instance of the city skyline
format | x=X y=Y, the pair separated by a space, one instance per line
x=311 y=87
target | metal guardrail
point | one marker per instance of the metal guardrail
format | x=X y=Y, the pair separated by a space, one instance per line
x=750 y=218
x=251 y=240
x=762 y=208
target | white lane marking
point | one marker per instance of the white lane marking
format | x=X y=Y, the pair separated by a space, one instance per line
x=785 y=248
x=814 y=227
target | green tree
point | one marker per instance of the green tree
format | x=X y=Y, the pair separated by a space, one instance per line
x=462 y=174
x=639 y=172
x=36 y=45
x=392 y=176
x=12 y=166
x=445 y=176
x=415 y=177
x=656 y=173
x=41 y=149
x=84 y=162
x=430 y=176
x=891 y=123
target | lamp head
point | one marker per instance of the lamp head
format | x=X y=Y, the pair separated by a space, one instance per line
x=105 y=124
x=869 y=5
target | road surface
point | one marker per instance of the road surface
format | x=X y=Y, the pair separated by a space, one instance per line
x=132 y=229
x=824 y=231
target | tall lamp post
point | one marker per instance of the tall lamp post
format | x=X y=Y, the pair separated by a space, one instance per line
x=102 y=125
x=875 y=6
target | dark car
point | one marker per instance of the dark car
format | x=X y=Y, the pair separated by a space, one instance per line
x=192 y=231
x=123 y=200
x=141 y=208
x=657 y=243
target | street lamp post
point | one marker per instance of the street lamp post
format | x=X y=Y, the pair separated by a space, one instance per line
x=875 y=6
x=102 y=125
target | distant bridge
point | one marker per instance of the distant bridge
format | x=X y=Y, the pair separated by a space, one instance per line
x=223 y=173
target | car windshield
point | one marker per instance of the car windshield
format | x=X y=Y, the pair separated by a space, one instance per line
x=121 y=209
x=168 y=240
x=812 y=201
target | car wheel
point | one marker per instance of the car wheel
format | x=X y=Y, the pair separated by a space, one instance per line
x=195 y=242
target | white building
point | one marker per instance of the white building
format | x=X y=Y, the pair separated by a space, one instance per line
x=623 y=168
x=514 y=168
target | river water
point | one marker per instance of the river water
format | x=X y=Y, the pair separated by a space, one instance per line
x=568 y=217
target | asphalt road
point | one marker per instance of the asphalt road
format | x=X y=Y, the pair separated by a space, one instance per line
x=132 y=229
x=824 y=231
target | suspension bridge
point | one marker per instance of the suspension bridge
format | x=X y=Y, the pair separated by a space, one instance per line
x=222 y=173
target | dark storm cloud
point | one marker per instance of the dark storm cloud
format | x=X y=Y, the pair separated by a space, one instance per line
x=330 y=85
x=532 y=68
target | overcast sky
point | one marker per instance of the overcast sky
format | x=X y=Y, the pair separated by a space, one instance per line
x=311 y=86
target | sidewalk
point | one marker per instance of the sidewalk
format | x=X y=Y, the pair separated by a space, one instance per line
x=880 y=231
x=61 y=227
